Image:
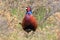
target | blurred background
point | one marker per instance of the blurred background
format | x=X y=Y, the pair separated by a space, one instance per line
x=47 y=13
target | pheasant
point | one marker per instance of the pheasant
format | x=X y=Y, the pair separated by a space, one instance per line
x=29 y=23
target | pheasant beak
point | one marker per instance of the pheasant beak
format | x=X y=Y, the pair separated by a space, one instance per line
x=26 y=8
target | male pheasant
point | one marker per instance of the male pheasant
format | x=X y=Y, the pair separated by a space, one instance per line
x=29 y=22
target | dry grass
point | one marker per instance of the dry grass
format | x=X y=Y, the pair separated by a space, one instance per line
x=12 y=12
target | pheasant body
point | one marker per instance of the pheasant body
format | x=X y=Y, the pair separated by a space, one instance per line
x=29 y=22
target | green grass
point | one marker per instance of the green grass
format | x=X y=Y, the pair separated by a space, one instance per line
x=39 y=16
x=40 y=13
x=18 y=13
x=14 y=11
x=51 y=36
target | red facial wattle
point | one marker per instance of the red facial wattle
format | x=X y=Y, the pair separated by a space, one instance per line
x=28 y=9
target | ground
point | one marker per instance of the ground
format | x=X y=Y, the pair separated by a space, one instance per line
x=13 y=11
